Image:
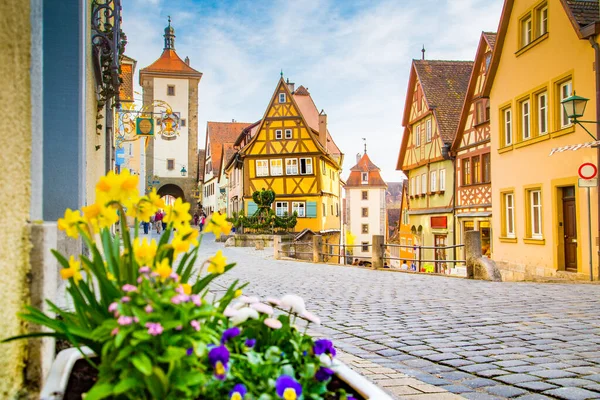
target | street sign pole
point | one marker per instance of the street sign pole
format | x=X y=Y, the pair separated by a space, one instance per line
x=588 y=178
x=590 y=233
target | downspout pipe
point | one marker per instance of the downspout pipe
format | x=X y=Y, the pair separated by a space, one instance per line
x=594 y=44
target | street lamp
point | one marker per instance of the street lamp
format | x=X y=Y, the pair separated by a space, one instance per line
x=183 y=171
x=574 y=107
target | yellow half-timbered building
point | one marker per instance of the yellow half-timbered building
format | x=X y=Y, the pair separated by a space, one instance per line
x=291 y=152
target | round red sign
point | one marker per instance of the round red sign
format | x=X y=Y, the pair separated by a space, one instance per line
x=587 y=171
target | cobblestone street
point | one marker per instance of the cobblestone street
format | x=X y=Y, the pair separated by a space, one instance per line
x=481 y=340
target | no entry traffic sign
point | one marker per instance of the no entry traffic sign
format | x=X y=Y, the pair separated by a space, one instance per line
x=587 y=171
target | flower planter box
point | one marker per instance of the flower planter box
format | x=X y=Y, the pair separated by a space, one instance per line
x=60 y=372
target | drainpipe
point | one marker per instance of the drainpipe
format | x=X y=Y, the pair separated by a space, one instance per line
x=597 y=71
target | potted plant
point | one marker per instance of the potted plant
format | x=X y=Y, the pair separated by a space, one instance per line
x=144 y=327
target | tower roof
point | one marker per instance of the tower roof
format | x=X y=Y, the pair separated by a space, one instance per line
x=365 y=165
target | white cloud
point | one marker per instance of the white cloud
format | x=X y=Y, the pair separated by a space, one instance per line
x=354 y=56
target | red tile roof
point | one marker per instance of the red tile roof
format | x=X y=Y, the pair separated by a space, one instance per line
x=365 y=165
x=444 y=84
x=301 y=91
x=491 y=39
x=219 y=134
x=169 y=63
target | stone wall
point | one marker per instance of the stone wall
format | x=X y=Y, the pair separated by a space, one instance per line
x=15 y=46
x=520 y=272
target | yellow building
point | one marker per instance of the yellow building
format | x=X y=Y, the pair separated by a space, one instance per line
x=435 y=95
x=540 y=216
x=291 y=152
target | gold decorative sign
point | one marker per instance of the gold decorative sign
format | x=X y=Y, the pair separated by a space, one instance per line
x=144 y=126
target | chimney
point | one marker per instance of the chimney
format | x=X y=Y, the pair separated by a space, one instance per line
x=232 y=120
x=290 y=85
x=187 y=60
x=357 y=158
x=323 y=129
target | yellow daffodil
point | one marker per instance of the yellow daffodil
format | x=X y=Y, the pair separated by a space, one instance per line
x=100 y=217
x=121 y=188
x=217 y=263
x=178 y=214
x=187 y=288
x=156 y=200
x=72 y=271
x=143 y=210
x=164 y=269
x=218 y=225
x=70 y=222
x=185 y=236
x=144 y=252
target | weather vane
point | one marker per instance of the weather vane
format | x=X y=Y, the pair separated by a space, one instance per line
x=365 y=143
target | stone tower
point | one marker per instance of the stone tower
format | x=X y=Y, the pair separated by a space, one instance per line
x=171 y=156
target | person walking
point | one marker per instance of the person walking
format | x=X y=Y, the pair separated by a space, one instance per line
x=202 y=221
x=158 y=221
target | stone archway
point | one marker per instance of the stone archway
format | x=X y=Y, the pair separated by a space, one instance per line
x=171 y=190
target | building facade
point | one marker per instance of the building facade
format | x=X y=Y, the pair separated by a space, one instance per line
x=436 y=92
x=291 y=152
x=541 y=216
x=471 y=148
x=170 y=92
x=366 y=212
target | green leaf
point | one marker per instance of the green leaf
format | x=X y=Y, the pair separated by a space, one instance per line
x=143 y=363
x=253 y=358
x=173 y=354
x=155 y=387
x=287 y=370
x=99 y=391
x=263 y=396
x=125 y=385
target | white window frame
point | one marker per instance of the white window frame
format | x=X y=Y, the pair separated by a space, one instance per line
x=526 y=119
x=299 y=207
x=509 y=214
x=364 y=177
x=281 y=97
x=291 y=166
x=418 y=136
x=535 y=210
x=278 y=134
x=542 y=113
x=442 y=180
x=433 y=181
x=262 y=167
x=417 y=185
x=276 y=170
x=288 y=133
x=281 y=207
x=527 y=31
x=507 y=117
x=543 y=17
x=428 y=131
x=424 y=183
x=364 y=247
x=307 y=166
x=568 y=85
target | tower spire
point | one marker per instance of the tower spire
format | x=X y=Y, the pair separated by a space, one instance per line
x=365 y=143
x=169 y=36
x=423 y=51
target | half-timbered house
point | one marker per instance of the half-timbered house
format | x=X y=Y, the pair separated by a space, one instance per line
x=435 y=95
x=471 y=147
x=291 y=152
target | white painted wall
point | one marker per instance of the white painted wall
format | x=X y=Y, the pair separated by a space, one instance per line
x=376 y=206
x=177 y=148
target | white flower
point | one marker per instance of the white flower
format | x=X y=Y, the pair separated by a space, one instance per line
x=248 y=299
x=273 y=323
x=307 y=315
x=262 y=308
x=273 y=301
x=237 y=305
x=229 y=311
x=294 y=303
x=243 y=314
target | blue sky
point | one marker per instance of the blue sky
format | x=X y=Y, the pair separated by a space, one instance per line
x=354 y=56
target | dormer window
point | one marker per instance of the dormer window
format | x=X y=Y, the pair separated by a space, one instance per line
x=365 y=177
x=282 y=97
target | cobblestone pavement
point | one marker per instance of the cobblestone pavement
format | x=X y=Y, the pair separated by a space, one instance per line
x=482 y=340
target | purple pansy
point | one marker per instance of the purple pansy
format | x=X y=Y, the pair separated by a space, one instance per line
x=218 y=357
x=323 y=374
x=190 y=351
x=250 y=343
x=287 y=387
x=238 y=392
x=324 y=346
x=230 y=334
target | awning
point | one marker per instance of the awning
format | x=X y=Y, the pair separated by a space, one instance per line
x=482 y=214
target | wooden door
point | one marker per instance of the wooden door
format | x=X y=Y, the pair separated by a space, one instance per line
x=570 y=224
x=440 y=253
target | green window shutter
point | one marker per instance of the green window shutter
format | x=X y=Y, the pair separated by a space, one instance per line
x=311 y=209
x=252 y=207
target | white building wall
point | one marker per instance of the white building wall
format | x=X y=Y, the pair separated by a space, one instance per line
x=376 y=206
x=176 y=149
